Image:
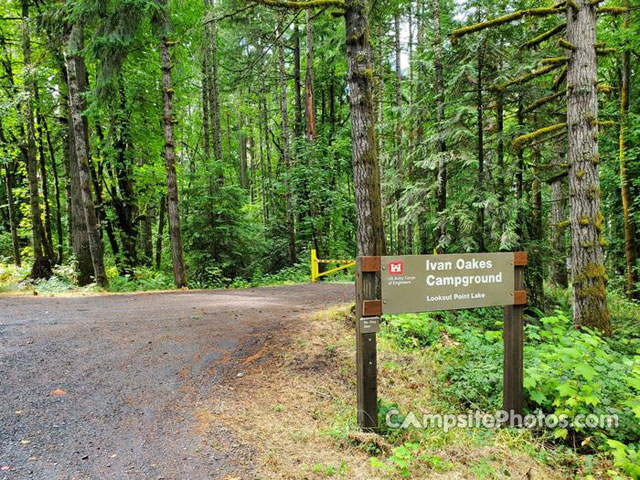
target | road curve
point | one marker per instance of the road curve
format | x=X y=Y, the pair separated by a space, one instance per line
x=105 y=386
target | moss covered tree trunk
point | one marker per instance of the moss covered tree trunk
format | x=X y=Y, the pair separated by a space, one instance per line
x=366 y=172
x=587 y=259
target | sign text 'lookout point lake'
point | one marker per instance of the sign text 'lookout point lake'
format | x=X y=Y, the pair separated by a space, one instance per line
x=424 y=283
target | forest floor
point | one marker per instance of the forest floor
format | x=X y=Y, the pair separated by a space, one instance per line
x=145 y=386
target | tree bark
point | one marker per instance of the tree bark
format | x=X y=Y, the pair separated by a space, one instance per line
x=629 y=226
x=78 y=235
x=146 y=234
x=214 y=89
x=48 y=230
x=42 y=262
x=286 y=145
x=175 y=233
x=587 y=259
x=9 y=168
x=440 y=117
x=56 y=186
x=13 y=218
x=366 y=173
x=399 y=152
x=480 y=132
x=297 y=82
x=160 y=233
x=535 y=277
x=125 y=203
x=75 y=45
x=558 y=229
x=308 y=82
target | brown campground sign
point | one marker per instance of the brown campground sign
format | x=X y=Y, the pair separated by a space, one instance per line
x=426 y=283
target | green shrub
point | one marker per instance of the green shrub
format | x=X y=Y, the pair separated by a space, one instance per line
x=576 y=372
x=412 y=331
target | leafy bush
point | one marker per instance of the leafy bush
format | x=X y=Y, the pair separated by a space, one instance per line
x=568 y=371
x=412 y=331
x=472 y=365
x=575 y=372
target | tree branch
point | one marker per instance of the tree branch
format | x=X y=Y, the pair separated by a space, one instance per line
x=298 y=5
x=545 y=36
x=518 y=142
x=528 y=76
x=511 y=17
x=538 y=103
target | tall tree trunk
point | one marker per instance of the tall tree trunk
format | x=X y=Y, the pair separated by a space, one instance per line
x=558 y=229
x=125 y=204
x=286 y=145
x=242 y=157
x=587 y=259
x=308 y=83
x=56 y=186
x=13 y=217
x=146 y=233
x=73 y=47
x=214 y=89
x=366 y=173
x=535 y=276
x=78 y=236
x=9 y=168
x=480 y=134
x=297 y=82
x=441 y=144
x=48 y=230
x=42 y=261
x=160 y=233
x=175 y=233
x=629 y=227
x=399 y=152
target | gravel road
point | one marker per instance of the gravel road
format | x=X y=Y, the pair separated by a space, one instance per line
x=107 y=386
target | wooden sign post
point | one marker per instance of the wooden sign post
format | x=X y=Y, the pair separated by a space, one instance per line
x=424 y=283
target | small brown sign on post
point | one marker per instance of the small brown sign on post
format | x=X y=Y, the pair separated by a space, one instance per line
x=425 y=283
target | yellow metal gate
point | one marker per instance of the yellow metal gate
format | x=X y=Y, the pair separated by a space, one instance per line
x=315 y=266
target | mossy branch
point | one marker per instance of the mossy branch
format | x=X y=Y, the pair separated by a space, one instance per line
x=542 y=101
x=566 y=44
x=519 y=142
x=511 y=17
x=545 y=36
x=613 y=10
x=559 y=134
x=528 y=76
x=605 y=51
x=606 y=123
x=298 y=5
x=605 y=88
x=555 y=61
x=559 y=79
